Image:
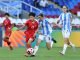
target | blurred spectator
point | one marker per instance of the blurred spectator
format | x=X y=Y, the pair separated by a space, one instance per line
x=43 y=3
x=36 y=3
x=76 y=21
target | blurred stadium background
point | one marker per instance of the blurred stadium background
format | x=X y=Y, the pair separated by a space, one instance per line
x=19 y=9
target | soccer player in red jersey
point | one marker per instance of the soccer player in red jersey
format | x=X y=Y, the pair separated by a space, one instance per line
x=32 y=27
x=8 y=27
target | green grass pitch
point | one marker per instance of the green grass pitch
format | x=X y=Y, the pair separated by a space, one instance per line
x=42 y=54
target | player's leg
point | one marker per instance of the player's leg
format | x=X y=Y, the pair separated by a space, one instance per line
x=48 y=45
x=28 y=45
x=49 y=42
x=6 y=39
x=65 y=43
x=40 y=38
x=66 y=36
x=65 y=46
x=69 y=42
x=52 y=41
x=29 y=40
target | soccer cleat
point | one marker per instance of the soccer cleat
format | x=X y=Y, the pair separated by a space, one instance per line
x=54 y=40
x=61 y=53
x=26 y=55
x=32 y=56
x=73 y=47
x=11 y=48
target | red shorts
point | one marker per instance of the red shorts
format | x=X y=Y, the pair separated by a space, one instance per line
x=29 y=35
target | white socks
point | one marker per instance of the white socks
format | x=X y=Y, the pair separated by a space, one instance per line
x=64 y=48
x=35 y=49
x=51 y=42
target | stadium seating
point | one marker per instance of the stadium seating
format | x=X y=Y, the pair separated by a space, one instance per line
x=14 y=7
x=73 y=5
x=49 y=11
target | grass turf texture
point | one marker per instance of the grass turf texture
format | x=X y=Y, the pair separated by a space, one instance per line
x=43 y=54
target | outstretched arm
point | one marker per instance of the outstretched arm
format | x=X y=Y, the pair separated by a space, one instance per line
x=21 y=27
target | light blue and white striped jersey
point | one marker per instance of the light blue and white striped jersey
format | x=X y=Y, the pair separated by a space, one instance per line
x=45 y=27
x=65 y=19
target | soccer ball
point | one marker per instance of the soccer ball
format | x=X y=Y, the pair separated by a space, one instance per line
x=30 y=51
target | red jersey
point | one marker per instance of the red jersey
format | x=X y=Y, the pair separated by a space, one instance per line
x=7 y=26
x=32 y=26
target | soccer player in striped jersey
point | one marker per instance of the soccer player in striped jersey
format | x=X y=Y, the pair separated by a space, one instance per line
x=65 y=23
x=44 y=32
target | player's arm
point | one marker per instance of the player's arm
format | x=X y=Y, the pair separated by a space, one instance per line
x=52 y=23
x=22 y=27
x=59 y=21
x=59 y=24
